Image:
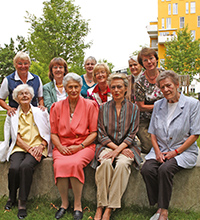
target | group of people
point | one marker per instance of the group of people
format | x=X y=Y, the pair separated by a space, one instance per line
x=103 y=119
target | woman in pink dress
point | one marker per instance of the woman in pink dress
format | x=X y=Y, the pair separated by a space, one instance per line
x=73 y=131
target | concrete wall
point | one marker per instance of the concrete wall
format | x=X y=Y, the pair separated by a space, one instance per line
x=186 y=191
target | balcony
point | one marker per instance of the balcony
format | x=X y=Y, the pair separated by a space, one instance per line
x=152 y=30
x=163 y=39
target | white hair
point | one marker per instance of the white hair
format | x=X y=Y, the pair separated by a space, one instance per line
x=72 y=76
x=21 y=55
x=21 y=87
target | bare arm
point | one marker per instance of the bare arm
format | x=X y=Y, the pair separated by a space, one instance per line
x=10 y=110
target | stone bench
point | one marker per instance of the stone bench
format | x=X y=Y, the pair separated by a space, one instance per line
x=186 y=191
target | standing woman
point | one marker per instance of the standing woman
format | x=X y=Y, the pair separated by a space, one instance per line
x=87 y=78
x=174 y=129
x=73 y=131
x=117 y=126
x=54 y=91
x=22 y=75
x=101 y=92
x=147 y=92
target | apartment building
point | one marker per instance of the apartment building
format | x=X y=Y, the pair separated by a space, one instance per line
x=173 y=15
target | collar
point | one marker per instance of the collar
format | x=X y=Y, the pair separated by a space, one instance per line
x=22 y=113
x=29 y=77
x=96 y=89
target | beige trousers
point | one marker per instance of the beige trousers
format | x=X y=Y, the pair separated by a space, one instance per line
x=112 y=181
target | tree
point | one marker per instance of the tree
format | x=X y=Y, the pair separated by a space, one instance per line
x=60 y=32
x=110 y=65
x=182 y=54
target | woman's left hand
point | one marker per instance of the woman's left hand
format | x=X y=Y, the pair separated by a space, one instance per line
x=37 y=151
x=74 y=148
x=128 y=153
x=170 y=154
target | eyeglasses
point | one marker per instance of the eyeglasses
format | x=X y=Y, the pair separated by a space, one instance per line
x=58 y=67
x=117 y=86
x=92 y=64
x=101 y=72
x=25 y=64
x=24 y=93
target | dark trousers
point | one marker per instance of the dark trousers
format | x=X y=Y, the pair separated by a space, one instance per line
x=158 y=178
x=20 y=175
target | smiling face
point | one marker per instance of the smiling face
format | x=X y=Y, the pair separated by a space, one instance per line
x=89 y=65
x=73 y=89
x=101 y=75
x=169 y=90
x=149 y=62
x=22 y=66
x=134 y=67
x=24 y=97
x=118 y=89
x=58 y=72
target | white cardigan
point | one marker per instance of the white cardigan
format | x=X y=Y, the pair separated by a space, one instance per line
x=41 y=119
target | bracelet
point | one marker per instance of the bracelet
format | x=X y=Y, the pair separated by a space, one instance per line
x=82 y=145
x=176 y=152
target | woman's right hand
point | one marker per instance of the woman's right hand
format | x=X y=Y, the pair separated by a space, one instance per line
x=64 y=150
x=11 y=111
x=160 y=157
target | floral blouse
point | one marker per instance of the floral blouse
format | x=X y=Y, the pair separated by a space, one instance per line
x=147 y=92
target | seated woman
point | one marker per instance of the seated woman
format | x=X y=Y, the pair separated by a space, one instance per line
x=174 y=129
x=73 y=131
x=117 y=126
x=29 y=130
x=54 y=90
x=101 y=92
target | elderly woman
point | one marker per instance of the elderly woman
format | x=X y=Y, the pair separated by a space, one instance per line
x=54 y=90
x=22 y=75
x=101 y=92
x=174 y=129
x=73 y=131
x=136 y=71
x=87 y=78
x=147 y=92
x=29 y=130
x=117 y=126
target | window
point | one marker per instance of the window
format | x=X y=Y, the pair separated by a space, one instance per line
x=182 y=21
x=168 y=21
x=169 y=9
x=175 y=8
x=198 y=21
x=193 y=34
x=163 y=23
x=186 y=7
x=192 y=7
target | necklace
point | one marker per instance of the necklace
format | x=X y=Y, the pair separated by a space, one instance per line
x=59 y=86
x=89 y=80
x=152 y=78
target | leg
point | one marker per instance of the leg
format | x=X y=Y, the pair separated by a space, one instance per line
x=63 y=186
x=166 y=173
x=145 y=137
x=13 y=174
x=77 y=188
x=149 y=172
x=119 y=181
x=103 y=176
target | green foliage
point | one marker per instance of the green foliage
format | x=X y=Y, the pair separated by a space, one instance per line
x=60 y=32
x=182 y=54
x=110 y=65
x=41 y=70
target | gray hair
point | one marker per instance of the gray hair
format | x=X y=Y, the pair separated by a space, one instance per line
x=90 y=58
x=134 y=58
x=21 y=87
x=168 y=74
x=118 y=76
x=72 y=76
x=21 y=55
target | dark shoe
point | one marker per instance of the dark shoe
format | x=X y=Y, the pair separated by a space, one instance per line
x=78 y=215
x=59 y=214
x=21 y=213
x=8 y=205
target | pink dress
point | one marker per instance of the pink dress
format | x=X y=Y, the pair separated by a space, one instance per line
x=84 y=122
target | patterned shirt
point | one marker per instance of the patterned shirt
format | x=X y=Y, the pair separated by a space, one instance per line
x=147 y=92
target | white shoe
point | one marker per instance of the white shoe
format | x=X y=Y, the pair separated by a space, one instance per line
x=155 y=216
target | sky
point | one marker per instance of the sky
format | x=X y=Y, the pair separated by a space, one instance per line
x=117 y=28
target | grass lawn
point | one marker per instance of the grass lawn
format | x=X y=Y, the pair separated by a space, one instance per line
x=43 y=209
